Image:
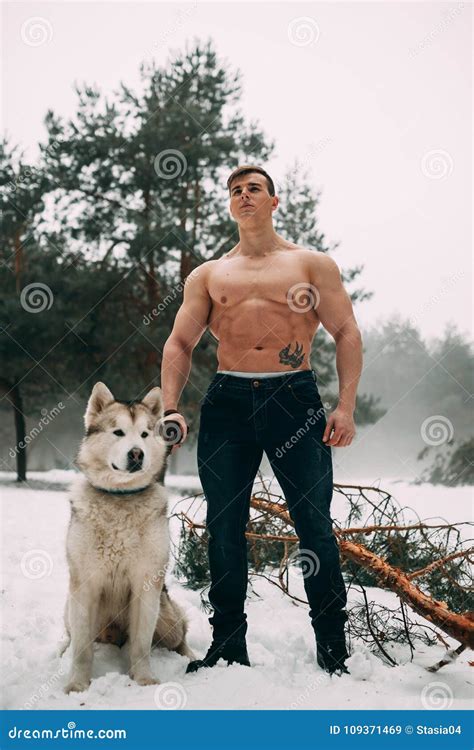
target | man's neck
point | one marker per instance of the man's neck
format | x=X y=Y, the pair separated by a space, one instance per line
x=256 y=242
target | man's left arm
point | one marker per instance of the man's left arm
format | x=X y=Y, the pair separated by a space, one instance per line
x=334 y=308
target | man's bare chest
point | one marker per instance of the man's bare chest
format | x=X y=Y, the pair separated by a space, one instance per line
x=268 y=282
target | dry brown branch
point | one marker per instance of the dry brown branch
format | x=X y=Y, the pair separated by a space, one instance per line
x=395 y=527
x=369 y=625
x=271 y=537
x=439 y=563
x=285 y=591
x=249 y=534
x=393 y=547
x=458 y=626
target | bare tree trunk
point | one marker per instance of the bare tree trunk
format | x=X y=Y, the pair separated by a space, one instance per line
x=13 y=394
x=19 y=258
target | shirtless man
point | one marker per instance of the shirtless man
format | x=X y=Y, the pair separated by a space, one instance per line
x=263 y=302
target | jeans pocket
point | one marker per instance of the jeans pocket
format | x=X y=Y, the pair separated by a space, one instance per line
x=305 y=392
x=211 y=394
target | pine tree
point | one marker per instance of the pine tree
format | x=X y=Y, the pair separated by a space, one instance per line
x=127 y=198
x=138 y=180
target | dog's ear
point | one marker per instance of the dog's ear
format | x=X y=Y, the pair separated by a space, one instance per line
x=154 y=401
x=98 y=400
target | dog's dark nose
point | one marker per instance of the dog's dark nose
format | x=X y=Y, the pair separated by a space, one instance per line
x=135 y=455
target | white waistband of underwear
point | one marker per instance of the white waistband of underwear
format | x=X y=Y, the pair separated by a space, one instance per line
x=256 y=374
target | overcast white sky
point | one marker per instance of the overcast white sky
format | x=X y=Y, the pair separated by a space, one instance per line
x=375 y=98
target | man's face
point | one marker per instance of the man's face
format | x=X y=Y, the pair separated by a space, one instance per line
x=250 y=201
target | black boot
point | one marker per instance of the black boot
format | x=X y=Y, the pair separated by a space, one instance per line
x=331 y=651
x=331 y=654
x=231 y=651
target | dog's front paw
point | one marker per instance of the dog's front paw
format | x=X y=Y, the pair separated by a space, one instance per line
x=144 y=679
x=77 y=686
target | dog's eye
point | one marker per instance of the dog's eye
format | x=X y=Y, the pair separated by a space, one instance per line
x=119 y=433
x=144 y=434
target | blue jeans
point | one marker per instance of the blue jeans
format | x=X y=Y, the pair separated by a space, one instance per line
x=283 y=416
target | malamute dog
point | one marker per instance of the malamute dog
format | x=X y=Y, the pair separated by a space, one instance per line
x=117 y=541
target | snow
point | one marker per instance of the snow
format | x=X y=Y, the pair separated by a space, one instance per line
x=281 y=644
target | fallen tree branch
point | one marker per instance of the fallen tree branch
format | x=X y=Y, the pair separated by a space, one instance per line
x=458 y=626
x=372 y=633
x=440 y=563
x=248 y=534
x=450 y=656
x=395 y=527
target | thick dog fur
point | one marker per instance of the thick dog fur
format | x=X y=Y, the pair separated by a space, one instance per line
x=118 y=544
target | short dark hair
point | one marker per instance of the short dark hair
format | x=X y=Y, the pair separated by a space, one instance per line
x=246 y=169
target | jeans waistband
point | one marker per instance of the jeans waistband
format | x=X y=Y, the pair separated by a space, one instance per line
x=273 y=383
x=252 y=374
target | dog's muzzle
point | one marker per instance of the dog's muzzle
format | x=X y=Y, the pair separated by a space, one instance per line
x=135 y=458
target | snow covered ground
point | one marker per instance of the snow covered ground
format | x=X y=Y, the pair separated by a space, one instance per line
x=281 y=643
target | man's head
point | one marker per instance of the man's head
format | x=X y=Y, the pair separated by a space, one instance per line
x=245 y=169
x=252 y=194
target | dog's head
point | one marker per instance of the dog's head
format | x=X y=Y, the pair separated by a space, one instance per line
x=121 y=449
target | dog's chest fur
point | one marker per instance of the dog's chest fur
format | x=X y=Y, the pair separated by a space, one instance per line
x=116 y=529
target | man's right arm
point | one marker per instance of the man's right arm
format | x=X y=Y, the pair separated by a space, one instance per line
x=189 y=325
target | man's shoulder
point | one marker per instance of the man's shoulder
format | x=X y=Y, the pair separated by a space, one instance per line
x=203 y=268
x=321 y=267
x=316 y=257
x=199 y=278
